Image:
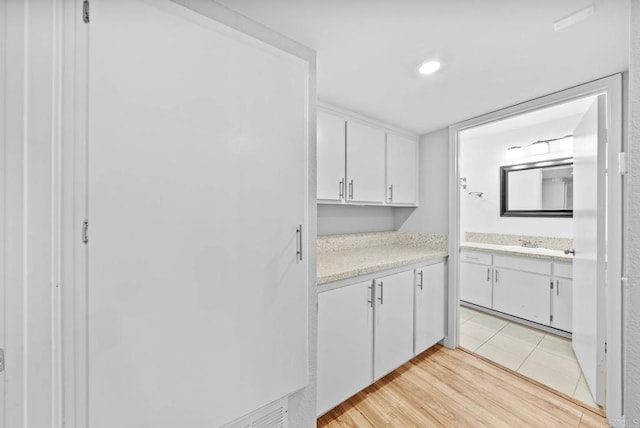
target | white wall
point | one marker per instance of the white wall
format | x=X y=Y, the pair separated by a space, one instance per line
x=432 y=214
x=632 y=298
x=480 y=160
x=333 y=219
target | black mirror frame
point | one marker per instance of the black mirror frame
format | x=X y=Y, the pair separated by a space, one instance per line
x=504 y=190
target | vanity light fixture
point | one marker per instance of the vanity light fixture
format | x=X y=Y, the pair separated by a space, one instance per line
x=429 y=67
x=540 y=148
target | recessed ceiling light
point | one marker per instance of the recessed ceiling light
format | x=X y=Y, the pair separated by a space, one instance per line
x=429 y=67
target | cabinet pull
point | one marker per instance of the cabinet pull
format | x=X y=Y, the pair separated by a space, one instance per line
x=381 y=293
x=557 y=287
x=370 y=301
x=351 y=190
x=299 y=242
x=391 y=193
x=496 y=275
x=421 y=279
x=342 y=188
x=488 y=274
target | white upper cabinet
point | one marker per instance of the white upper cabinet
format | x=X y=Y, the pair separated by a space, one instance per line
x=402 y=170
x=331 y=157
x=365 y=163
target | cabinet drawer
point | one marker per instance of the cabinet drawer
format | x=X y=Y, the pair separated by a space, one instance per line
x=475 y=257
x=524 y=264
x=564 y=270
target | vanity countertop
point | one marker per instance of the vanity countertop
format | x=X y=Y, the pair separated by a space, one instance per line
x=350 y=263
x=515 y=250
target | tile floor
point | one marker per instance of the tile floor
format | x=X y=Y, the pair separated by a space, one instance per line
x=544 y=357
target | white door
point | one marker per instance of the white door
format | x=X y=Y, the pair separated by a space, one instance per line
x=589 y=221
x=402 y=170
x=476 y=284
x=393 y=322
x=430 y=306
x=197 y=177
x=345 y=343
x=365 y=163
x=331 y=156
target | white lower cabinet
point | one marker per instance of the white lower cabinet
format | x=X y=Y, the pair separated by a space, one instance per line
x=476 y=284
x=523 y=294
x=345 y=343
x=393 y=322
x=368 y=329
x=533 y=289
x=562 y=297
x=429 y=306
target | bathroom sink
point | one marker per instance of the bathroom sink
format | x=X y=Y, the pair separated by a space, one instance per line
x=530 y=250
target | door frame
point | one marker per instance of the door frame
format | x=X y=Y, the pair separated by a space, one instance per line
x=612 y=86
x=71 y=398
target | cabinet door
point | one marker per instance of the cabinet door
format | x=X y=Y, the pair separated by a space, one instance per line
x=197 y=314
x=331 y=156
x=430 y=306
x=562 y=298
x=365 y=163
x=476 y=284
x=345 y=343
x=394 y=322
x=522 y=294
x=402 y=170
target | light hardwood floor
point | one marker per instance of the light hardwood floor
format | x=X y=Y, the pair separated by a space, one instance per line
x=454 y=388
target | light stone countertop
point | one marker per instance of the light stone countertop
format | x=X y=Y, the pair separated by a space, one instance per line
x=510 y=250
x=343 y=264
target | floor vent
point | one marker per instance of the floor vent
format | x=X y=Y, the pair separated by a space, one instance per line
x=275 y=415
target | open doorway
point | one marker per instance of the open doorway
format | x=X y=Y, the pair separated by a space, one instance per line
x=536 y=209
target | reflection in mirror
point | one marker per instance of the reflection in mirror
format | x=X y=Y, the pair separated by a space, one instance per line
x=539 y=189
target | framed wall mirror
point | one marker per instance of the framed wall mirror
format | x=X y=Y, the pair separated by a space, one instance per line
x=537 y=189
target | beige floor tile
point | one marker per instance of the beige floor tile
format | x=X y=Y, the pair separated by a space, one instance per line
x=582 y=393
x=489 y=321
x=553 y=370
x=557 y=345
x=521 y=332
x=470 y=342
x=466 y=314
x=506 y=350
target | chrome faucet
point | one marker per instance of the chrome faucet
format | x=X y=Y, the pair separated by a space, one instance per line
x=529 y=244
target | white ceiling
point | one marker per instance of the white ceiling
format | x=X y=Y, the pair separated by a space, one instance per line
x=557 y=121
x=495 y=53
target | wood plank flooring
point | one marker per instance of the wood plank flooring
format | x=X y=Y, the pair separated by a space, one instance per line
x=452 y=388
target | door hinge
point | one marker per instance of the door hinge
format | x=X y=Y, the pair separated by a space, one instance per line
x=551 y=283
x=623 y=163
x=1 y=360
x=605 y=347
x=550 y=318
x=85 y=232
x=85 y=11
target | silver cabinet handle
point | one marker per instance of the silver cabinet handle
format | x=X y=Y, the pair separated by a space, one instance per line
x=381 y=293
x=496 y=275
x=391 y=193
x=557 y=287
x=299 y=242
x=421 y=279
x=488 y=274
x=342 y=188
x=370 y=301
x=351 y=190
